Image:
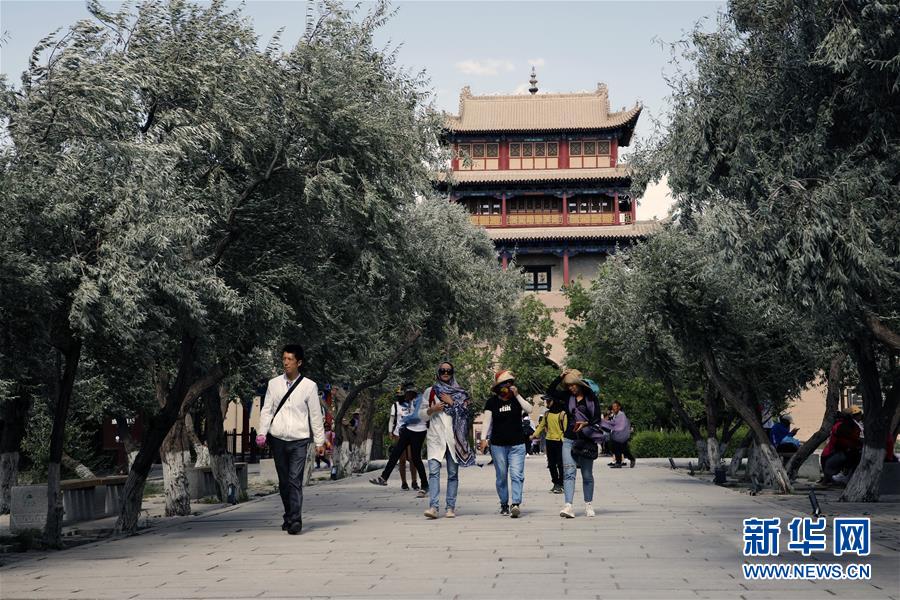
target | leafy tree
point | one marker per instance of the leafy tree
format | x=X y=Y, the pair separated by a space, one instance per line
x=785 y=128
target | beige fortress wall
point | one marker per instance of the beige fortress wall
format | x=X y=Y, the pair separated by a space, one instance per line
x=808 y=410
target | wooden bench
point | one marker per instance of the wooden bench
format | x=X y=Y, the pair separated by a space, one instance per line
x=202 y=484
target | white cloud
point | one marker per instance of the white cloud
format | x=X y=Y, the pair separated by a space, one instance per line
x=522 y=89
x=537 y=62
x=490 y=66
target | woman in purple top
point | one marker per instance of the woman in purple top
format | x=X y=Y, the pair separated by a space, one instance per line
x=619 y=433
x=584 y=415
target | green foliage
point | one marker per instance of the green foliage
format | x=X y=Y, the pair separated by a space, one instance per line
x=675 y=444
x=591 y=347
x=526 y=351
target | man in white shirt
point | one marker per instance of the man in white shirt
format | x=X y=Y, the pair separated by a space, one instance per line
x=291 y=415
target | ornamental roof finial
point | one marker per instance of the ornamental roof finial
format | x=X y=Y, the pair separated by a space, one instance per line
x=533 y=81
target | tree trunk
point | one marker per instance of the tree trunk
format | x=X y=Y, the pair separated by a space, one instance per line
x=878 y=414
x=14 y=415
x=739 y=455
x=702 y=454
x=63 y=388
x=9 y=476
x=361 y=447
x=221 y=461
x=738 y=400
x=341 y=455
x=131 y=446
x=712 y=425
x=176 y=458
x=79 y=468
x=832 y=396
x=180 y=393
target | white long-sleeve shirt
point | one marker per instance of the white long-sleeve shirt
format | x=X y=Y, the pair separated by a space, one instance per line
x=439 y=438
x=300 y=411
x=487 y=417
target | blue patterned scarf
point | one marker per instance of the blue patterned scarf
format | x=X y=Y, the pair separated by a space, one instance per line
x=460 y=412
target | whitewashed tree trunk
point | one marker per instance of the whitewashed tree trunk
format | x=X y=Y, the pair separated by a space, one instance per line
x=225 y=474
x=702 y=455
x=9 y=476
x=359 y=456
x=53 y=527
x=203 y=458
x=310 y=463
x=131 y=455
x=342 y=460
x=80 y=469
x=175 y=483
x=736 y=460
x=866 y=479
x=714 y=452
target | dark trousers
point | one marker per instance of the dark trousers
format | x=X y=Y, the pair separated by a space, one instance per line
x=554 y=461
x=620 y=448
x=290 y=459
x=414 y=441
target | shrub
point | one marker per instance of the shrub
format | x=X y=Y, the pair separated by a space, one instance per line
x=662 y=444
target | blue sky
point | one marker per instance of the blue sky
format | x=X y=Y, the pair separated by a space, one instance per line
x=489 y=46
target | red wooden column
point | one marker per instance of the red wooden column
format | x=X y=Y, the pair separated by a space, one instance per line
x=616 y=208
x=565 y=268
x=614 y=152
x=563 y=154
x=503 y=213
x=504 y=260
x=565 y=201
x=503 y=155
x=633 y=210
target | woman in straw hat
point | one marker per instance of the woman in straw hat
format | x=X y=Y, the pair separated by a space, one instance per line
x=584 y=415
x=503 y=427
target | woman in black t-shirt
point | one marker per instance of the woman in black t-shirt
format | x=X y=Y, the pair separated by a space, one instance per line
x=503 y=427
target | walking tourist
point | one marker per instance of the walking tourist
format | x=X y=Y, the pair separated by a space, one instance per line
x=619 y=433
x=552 y=426
x=409 y=430
x=503 y=426
x=579 y=450
x=290 y=417
x=445 y=408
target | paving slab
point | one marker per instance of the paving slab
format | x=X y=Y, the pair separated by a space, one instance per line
x=658 y=533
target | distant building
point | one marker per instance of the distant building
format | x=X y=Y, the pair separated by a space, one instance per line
x=541 y=173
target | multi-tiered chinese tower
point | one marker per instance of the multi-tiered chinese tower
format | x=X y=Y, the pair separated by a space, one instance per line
x=541 y=173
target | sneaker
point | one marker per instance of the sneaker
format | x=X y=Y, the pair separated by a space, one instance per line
x=415 y=485
x=295 y=528
x=840 y=478
x=422 y=493
x=633 y=460
x=450 y=513
x=431 y=513
x=405 y=486
x=516 y=511
x=504 y=509
x=552 y=490
x=612 y=464
x=615 y=466
x=567 y=511
x=589 y=510
x=378 y=481
x=558 y=489
x=285 y=525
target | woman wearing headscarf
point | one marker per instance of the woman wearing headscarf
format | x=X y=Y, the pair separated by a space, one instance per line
x=503 y=413
x=446 y=410
x=582 y=429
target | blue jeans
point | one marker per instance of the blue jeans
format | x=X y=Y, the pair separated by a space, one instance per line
x=434 y=481
x=569 y=466
x=509 y=460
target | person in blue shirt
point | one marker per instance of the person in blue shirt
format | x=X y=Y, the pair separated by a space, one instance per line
x=782 y=436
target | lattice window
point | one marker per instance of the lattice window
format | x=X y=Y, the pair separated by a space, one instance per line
x=515 y=150
x=553 y=149
x=526 y=150
x=493 y=150
x=602 y=148
x=540 y=149
x=575 y=148
x=590 y=148
x=464 y=151
x=478 y=150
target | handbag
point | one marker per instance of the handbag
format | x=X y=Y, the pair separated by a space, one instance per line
x=584 y=449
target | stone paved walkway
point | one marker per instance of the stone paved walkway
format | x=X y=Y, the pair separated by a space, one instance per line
x=658 y=534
